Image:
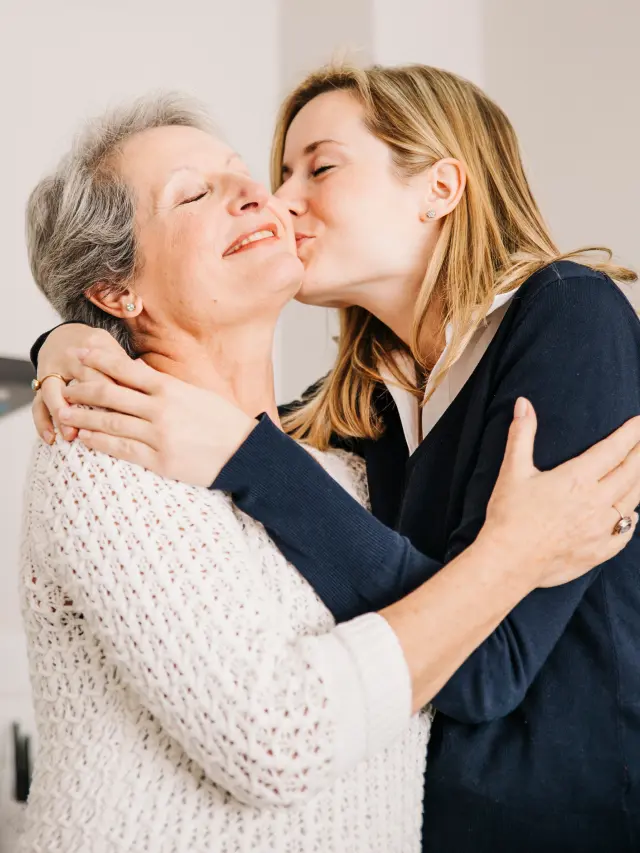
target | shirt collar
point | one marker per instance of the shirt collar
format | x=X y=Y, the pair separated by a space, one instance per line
x=406 y=403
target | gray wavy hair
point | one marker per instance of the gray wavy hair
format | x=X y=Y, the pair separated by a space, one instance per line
x=80 y=220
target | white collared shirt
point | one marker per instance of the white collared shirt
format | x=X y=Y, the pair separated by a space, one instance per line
x=446 y=392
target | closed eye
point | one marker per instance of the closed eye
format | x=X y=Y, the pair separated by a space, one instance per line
x=194 y=198
x=321 y=170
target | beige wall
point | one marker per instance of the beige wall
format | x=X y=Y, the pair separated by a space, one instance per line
x=568 y=74
x=312 y=38
x=444 y=34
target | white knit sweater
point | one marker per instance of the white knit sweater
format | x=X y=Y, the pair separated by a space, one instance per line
x=191 y=691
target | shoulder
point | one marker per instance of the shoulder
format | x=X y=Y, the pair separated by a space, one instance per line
x=70 y=479
x=577 y=300
x=570 y=282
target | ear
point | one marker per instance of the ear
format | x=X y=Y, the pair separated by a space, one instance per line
x=114 y=302
x=446 y=182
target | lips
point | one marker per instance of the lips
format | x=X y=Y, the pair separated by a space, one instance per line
x=269 y=231
x=302 y=238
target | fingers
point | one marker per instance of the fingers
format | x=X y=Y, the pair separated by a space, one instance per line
x=110 y=396
x=121 y=448
x=518 y=455
x=81 y=373
x=133 y=373
x=622 y=485
x=112 y=424
x=619 y=511
x=605 y=456
x=617 y=542
x=42 y=420
x=61 y=351
x=52 y=396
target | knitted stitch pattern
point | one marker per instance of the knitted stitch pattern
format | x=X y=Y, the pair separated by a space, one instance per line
x=191 y=691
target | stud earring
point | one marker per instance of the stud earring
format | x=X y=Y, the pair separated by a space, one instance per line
x=130 y=306
x=431 y=214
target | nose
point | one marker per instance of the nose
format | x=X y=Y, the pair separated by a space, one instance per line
x=291 y=195
x=247 y=196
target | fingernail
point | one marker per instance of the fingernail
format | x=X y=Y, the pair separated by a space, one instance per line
x=48 y=436
x=64 y=413
x=84 y=434
x=521 y=408
x=82 y=353
x=67 y=432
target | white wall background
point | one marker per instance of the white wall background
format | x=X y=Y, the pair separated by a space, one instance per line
x=568 y=73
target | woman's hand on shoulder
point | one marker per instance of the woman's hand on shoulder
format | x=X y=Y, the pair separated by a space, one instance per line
x=154 y=420
x=60 y=355
x=562 y=521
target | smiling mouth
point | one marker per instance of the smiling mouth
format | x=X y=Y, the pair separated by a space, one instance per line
x=248 y=241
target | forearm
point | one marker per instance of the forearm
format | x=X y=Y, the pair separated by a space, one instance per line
x=353 y=561
x=440 y=624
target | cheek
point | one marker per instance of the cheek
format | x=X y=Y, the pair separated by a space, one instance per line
x=185 y=265
x=345 y=214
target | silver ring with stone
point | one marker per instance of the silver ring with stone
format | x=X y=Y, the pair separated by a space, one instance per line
x=624 y=525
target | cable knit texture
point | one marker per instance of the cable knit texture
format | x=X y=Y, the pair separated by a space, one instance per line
x=191 y=690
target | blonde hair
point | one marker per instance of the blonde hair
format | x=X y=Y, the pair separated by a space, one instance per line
x=491 y=243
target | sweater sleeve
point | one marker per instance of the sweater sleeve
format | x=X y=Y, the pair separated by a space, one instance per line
x=575 y=354
x=581 y=391
x=170 y=585
x=353 y=561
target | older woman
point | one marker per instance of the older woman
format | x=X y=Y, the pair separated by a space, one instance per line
x=188 y=682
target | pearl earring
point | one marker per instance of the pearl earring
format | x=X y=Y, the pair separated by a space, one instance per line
x=130 y=306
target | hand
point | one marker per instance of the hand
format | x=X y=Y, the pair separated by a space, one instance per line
x=157 y=421
x=562 y=520
x=59 y=354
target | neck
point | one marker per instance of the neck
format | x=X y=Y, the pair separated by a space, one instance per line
x=235 y=362
x=393 y=303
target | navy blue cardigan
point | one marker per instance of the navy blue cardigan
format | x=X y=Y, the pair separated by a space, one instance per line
x=536 y=743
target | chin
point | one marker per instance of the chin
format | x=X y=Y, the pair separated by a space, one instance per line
x=283 y=273
x=315 y=291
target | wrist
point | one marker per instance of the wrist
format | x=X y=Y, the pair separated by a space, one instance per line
x=505 y=564
x=242 y=429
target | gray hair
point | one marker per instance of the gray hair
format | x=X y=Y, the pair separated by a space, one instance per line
x=80 y=219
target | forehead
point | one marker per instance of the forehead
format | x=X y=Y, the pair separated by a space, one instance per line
x=332 y=115
x=148 y=158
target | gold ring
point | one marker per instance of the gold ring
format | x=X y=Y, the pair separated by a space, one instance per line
x=37 y=384
x=624 y=525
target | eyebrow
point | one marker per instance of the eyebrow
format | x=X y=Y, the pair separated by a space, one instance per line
x=233 y=156
x=310 y=149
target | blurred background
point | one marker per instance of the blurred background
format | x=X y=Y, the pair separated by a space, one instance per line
x=566 y=71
